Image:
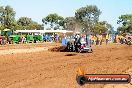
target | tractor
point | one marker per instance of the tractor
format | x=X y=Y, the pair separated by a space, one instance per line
x=79 y=44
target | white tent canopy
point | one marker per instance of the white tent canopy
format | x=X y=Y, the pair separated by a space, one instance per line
x=6 y=29
x=43 y=31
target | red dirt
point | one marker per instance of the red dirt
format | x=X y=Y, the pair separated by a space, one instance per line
x=46 y=69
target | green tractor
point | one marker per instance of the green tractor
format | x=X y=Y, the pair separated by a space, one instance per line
x=30 y=38
x=14 y=38
x=37 y=38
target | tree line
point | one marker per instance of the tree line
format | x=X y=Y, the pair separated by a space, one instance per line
x=125 y=22
x=86 y=19
x=8 y=21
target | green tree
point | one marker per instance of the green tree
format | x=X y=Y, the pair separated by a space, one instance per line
x=125 y=22
x=125 y=19
x=69 y=23
x=35 y=25
x=28 y=23
x=129 y=28
x=24 y=21
x=121 y=29
x=102 y=27
x=2 y=14
x=7 y=17
x=52 y=20
x=88 y=16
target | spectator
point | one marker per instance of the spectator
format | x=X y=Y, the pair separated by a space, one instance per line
x=44 y=38
x=56 y=38
x=107 y=38
x=2 y=40
x=121 y=39
x=9 y=40
x=100 y=39
x=88 y=40
x=95 y=39
x=92 y=39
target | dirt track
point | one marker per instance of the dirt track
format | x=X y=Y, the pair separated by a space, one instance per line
x=45 y=69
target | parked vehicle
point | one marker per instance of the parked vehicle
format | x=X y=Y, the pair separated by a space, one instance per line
x=30 y=38
x=14 y=38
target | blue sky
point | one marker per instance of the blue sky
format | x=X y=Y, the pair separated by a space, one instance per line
x=37 y=9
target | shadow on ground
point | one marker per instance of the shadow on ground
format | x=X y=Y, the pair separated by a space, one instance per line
x=70 y=54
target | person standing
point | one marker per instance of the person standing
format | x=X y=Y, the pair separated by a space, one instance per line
x=88 y=40
x=92 y=39
x=107 y=38
x=100 y=39
x=121 y=39
x=2 y=40
x=95 y=39
x=56 y=38
x=117 y=39
x=9 y=40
